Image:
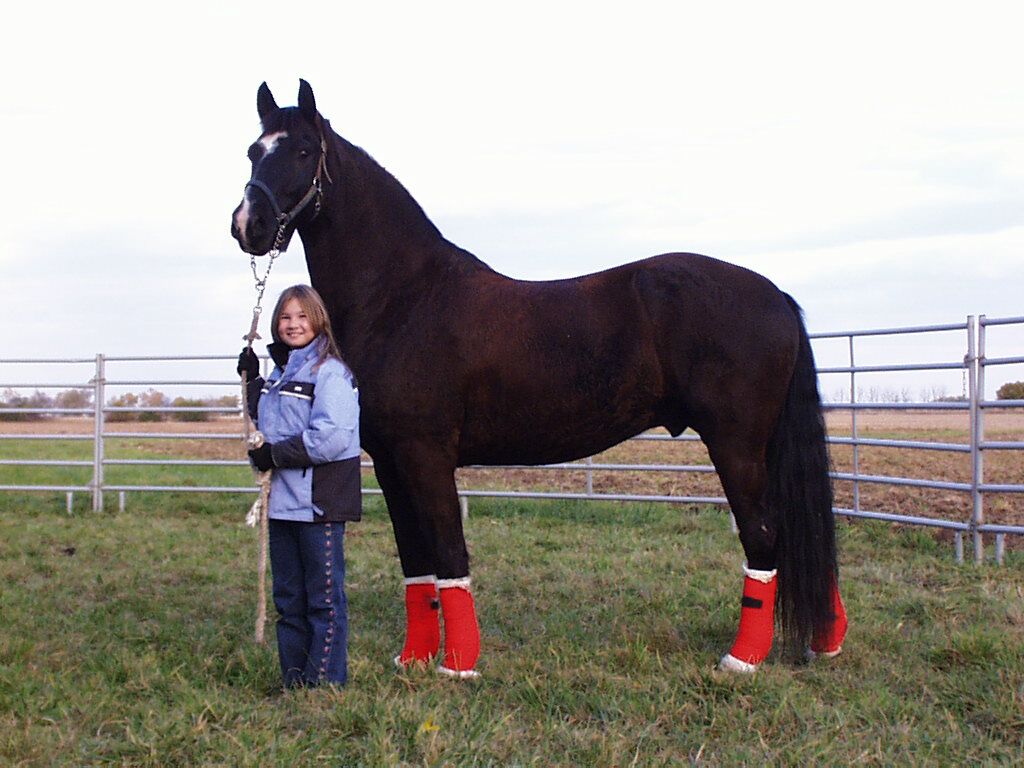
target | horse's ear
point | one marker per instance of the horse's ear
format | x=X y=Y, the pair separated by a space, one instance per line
x=265 y=103
x=307 y=104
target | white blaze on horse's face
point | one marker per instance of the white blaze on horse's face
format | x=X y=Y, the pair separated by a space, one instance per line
x=269 y=144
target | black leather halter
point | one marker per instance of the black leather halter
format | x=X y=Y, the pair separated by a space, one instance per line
x=315 y=192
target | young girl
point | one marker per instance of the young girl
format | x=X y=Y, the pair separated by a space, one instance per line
x=308 y=412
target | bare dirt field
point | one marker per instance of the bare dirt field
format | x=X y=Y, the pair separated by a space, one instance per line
x=995 y=420
x=84 y=426
x=909 y=420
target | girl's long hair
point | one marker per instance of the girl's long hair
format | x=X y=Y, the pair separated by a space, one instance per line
x=316 y=311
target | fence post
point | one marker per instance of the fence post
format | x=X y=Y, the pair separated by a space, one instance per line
x=980 y=366
x=853 y=429
x=99 y=396
x=976 y=382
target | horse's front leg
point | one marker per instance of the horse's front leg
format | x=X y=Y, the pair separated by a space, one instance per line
x=416 y=552
x=429 y=477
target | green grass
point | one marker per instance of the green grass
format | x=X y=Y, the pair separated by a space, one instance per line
x=80 y=450
x=126 y=639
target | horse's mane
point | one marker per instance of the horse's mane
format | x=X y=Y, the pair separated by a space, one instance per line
x=371 y=173
x=374 y=182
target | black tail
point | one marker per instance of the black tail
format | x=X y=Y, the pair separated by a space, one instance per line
x=800 y=491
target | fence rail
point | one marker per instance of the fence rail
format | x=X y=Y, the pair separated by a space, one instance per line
x=974 y=365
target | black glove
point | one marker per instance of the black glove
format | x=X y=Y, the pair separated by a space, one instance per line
x=248 y=364
x=261 y=457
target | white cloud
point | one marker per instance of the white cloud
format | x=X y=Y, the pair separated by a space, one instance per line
x=853 y=154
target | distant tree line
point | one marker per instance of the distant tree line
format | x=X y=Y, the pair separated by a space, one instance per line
x=1011 y=390
x=11 y=401
x=935 y=394
x=69 y=398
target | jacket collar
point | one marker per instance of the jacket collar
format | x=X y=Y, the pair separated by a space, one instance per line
x=283 y=355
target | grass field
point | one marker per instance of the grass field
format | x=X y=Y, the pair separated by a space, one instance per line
x=126 y=640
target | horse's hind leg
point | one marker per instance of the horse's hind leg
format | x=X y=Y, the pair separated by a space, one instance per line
x=416 y=551
x=743 y=473
x=830 y=643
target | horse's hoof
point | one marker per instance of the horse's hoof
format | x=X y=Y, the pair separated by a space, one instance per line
x=730 y=663
x=812 y=654
x=410 y=664
x=458 y=674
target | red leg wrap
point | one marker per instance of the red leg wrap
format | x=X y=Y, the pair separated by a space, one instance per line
x=422 y=623
x=757 y=621
x=461 y=631
x=831 y=642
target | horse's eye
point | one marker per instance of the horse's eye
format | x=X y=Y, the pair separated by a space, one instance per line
x=303 y=153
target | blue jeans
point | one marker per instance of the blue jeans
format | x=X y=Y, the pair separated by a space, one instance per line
x=308 y=562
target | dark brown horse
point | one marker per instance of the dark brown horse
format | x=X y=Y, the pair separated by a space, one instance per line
x=458 y=365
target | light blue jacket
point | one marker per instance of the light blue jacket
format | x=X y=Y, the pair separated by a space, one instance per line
x=312 y=419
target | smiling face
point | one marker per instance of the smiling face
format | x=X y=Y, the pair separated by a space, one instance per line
x=294 y=326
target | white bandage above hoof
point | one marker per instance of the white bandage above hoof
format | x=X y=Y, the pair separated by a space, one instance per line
x=812 y=655
x=765 y=577
x=463 y=583
x=429 y=579
x=458 y=674
x=730 y=663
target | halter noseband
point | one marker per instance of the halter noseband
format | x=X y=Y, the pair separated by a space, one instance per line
x=315 y=192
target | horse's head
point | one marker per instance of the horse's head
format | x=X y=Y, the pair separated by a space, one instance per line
x=289 y=169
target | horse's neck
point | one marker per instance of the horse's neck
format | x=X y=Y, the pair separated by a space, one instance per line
x=365 y=208
x=377 y=200
x=373 y=249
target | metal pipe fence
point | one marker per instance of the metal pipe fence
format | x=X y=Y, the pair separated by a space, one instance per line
x=973 y=404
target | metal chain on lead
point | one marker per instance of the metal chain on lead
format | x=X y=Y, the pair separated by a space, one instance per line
x=260 y=284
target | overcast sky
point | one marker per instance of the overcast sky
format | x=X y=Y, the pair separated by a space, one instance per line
x=866 y=157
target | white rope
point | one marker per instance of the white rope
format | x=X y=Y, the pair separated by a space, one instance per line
x=258 y=515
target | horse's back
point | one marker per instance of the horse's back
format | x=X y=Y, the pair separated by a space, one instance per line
x=722 y=303
x=601 y=357
x=695 y=308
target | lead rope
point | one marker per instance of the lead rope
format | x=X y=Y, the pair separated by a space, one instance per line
x=252 y=438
